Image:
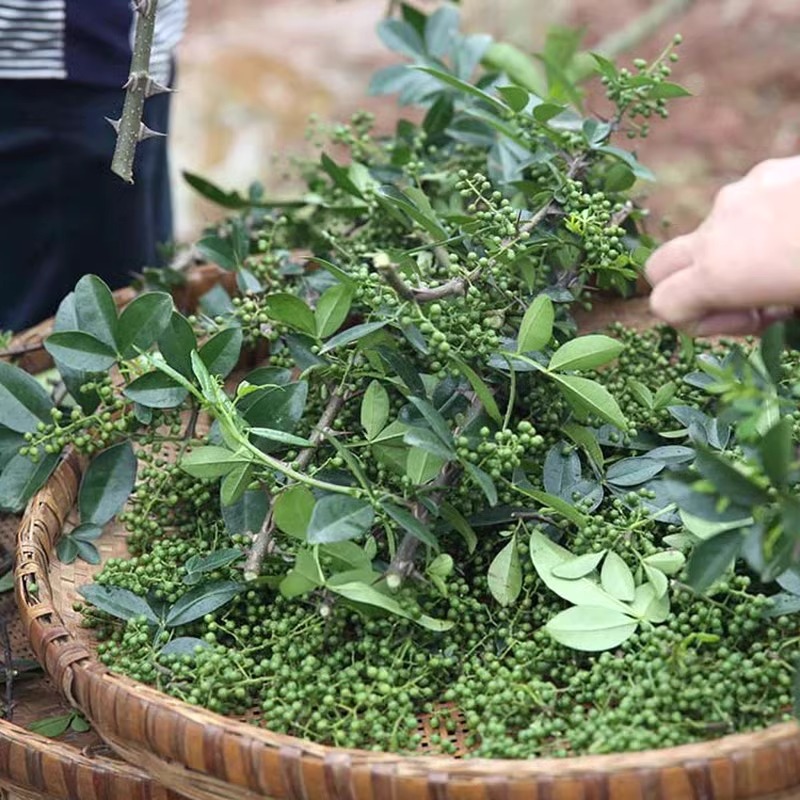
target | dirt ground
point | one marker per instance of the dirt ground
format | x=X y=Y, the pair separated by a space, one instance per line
x=251 y=72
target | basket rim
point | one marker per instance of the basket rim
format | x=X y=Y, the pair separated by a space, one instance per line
x=88 y=684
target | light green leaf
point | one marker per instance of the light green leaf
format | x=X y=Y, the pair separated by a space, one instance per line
x=505 y=574
x=670 y=562
x=585 y=438
x=369 y=595
x=586 y=352
x=617 y=579
x=559 y=505
x=536 y=328
x=657 y=578
x=706 y=529
x=649 y=607
x=281 y=437
x=212 y=461
x=374 y=409
x=292 y=311
x=235 y=484
x=547 y=555
x=589 y=397
x=642 y=394
x=332 y=310
x=591 y=629
x=304 y=577
x=579 y=566
x=422 y=467
x=351 y=335
x=337 y=517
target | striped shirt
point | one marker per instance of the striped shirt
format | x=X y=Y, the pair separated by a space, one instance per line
x=86 y=41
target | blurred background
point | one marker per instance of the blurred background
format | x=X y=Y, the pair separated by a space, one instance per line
x=252 y=71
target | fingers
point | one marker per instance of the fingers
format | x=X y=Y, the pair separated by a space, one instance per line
x=681 y=298
x=730 y=323
x=671 y=257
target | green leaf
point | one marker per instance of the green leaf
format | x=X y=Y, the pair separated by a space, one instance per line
x=52 y=726
x=369 y=595
x=142 y=322
x=414 y=205
x=657 y=578
x=107 y=484
x=481 y=389
x=586 y=352
x=429 y=442
x=176 y=343
x=591 y=629
x=711 y=558
x=67 y=549
x=666 y=90
x=777 y=451
x=292 y=511
x=88 y=552
x=664 y=395
x=234 y=484
x=617 y=579
x=219 y=251
x=589 y=397
x=633 y=471
x=408 y=522
x=95 y=309
x=23 y=401
x=201 y=600
x=292 y=311
x=278 y=408
x=118 y=602
x=516 y=97
x=648 y=606
x=459 y=523
x=484 y=481
x=707 y=528
x=505 y=574
x=351 y=335
x=435 y=420
x=422 y=467
x=401 y=37
x=183 y=646
x=332 y=310
x=560 y=472
x=670 y=562
x=374 y=409
x=247 y=514
x=728 y=481
x=579 y=566
x=221 y=352
x=463 y=86
x=337 y=517
x=21 y=479
x=230 y=200
x=7 y=581
x=558 y=504
x=546 y=555
x=281 y=437
x=585 y=438
x=81 y=351
x=441 y=30
x=212 y=461
x=155 y=390
x=536 y=328
x=218 y=559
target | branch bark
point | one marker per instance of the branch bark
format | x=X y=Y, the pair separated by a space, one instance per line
x=140 y=85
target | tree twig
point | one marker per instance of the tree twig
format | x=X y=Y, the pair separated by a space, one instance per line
x=262 y=541
x=140 y=85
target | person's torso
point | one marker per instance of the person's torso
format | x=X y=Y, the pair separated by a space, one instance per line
x=87 y=41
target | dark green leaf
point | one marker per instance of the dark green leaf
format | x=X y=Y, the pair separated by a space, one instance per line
x=481 y=389
x=88 y=552
x=201 y=600
x=247 y=514
x=218 y=559
x=234 y=484
x=95 y=309
x=400 y=37
x=374 y=409
x=351 y=335
x=340 y=177
x=435 y=420
x=176 y=343
x=777 y=451
x=80 y=351
x=666 y=90
x=439 y=116
x=728 y=481
x=221 y=352
x=142 y=322
x=459 y=523
x=118 y=602
x=634 y=471
x=107 y=484
x=21 y=479
x=562 y=470
x=416 y=207
x=86 y=532
x=218 y=251
x=403 y=368
x=516 y=97
x=337 y=517
x=52 y=726
x=484 y=481
x=711 y=558
x=23 y=401
x=278 y=408
x=67 y=549
x=464 y=87
x=411 y=524
x=429 y=442
x=773 y=342
x=155 y=390
x=292 y=311
x=441 y=31
x=231 y=200
x=184 y=646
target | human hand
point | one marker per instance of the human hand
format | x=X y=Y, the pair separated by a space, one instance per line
x=740 y=270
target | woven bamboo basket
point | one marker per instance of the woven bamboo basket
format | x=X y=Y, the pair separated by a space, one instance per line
x=77 y=766
x=209 y=757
